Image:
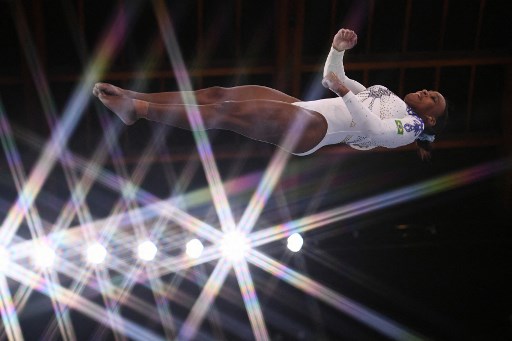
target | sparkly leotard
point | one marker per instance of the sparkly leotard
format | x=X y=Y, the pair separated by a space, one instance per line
x=365 y=117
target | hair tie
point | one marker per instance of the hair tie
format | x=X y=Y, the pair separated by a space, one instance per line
x=426 y=137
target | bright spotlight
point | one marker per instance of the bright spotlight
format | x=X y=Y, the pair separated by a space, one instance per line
x=194 y=248
x=295 y=242
x=235 y=246
x=96 y=253
x=147 y=250
x=43 y=256
x=4 y=259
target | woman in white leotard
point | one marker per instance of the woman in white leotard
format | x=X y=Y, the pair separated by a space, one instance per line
x=361 y=117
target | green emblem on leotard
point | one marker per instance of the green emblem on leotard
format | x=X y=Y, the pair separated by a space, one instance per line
x=400 y=127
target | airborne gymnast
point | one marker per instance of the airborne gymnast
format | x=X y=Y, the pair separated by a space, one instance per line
x=360 y=117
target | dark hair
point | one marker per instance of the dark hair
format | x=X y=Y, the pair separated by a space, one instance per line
x=425 y=147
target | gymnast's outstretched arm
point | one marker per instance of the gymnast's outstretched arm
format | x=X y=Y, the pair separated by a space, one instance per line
x=343 y=40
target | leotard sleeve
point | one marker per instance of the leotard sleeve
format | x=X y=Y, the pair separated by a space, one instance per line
x=334 y=63
x=390 y=133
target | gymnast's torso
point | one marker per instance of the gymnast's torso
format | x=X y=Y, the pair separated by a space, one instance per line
x=381 y=102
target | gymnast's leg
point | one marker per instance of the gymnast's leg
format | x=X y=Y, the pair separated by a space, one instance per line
x=262 y=120
x=204 y=96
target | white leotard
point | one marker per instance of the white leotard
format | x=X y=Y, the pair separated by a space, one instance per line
x=365 y=117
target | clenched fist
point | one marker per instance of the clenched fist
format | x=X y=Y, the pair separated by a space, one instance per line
x=344 y=40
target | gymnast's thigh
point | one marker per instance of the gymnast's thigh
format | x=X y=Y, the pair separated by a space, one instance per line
x=255 y=92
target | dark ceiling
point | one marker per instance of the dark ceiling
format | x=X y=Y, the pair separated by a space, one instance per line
x=394 y=248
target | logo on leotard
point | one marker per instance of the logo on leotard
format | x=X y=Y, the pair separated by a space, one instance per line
x=400 y=127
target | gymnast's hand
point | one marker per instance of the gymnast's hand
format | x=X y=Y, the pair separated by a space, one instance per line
x=344 y=40
x=333 y=83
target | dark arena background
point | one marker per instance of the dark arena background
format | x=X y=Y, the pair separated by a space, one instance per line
x=115 y=232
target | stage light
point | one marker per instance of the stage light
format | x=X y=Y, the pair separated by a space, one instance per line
x=43 y=256
x=295 y=242
x=147 y=250
x=4 y=259
x=96 y=253
x=235 y=246
x=194 y=248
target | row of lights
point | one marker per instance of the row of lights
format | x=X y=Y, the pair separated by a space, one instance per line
x=234 y=247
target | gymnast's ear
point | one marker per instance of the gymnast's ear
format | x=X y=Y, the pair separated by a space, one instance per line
x=431 y=120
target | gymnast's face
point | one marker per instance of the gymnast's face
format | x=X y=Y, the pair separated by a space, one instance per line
x=429 y=105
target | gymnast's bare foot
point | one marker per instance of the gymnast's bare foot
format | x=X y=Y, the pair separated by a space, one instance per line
x=109 y=89
x=122 y=106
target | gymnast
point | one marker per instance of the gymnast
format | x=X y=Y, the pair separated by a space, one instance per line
x=363 y=118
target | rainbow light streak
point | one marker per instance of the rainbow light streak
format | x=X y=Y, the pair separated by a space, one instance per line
x=80 y=304
x=370 y=318
x=82 y=187
x=61 y=312
x=193 y=224
x=265 y=187
x=162 y=305
x=20 y=299
x=269 y=181
x=129 y=188
x=205 y=300
x=110 y=302
x=220 y=199
x=408 y=193
x=8 y=312
x=251 y=302
x=15 y=166
x=63 y=129
x=324 y=184
x=176 y=264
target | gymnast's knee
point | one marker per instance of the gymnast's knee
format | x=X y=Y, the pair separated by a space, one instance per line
x=214 y=94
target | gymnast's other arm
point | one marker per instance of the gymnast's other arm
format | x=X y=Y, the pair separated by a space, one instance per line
x=388 y=133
